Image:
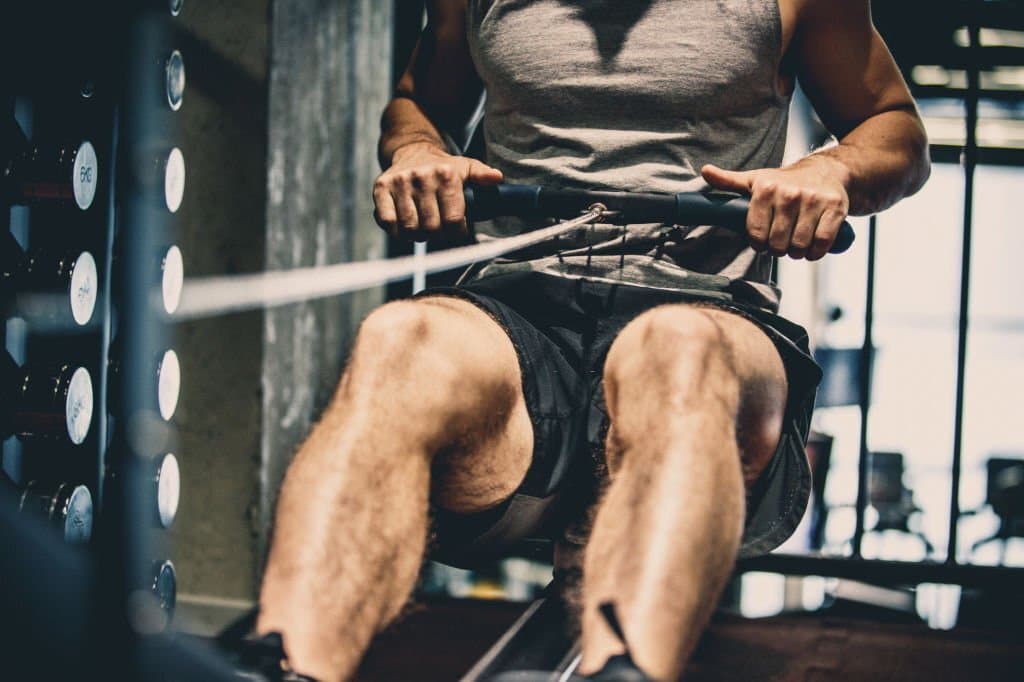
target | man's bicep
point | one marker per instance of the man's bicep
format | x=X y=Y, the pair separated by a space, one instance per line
x=440 y=76
x=844 y=65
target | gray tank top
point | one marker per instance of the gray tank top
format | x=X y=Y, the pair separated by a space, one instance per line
x=637 y=96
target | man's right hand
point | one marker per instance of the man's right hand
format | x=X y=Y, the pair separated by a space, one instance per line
x=420 y=196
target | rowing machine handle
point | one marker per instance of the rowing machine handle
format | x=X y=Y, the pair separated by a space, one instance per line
x=686 y=208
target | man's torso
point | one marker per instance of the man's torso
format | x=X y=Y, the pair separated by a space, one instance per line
x=636 y=97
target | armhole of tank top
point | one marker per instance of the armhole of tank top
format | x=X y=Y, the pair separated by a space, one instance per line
x=778 y=78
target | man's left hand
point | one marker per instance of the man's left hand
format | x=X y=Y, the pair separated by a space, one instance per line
x=795 y=210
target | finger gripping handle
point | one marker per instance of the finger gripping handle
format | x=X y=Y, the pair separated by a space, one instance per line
x=730 y=210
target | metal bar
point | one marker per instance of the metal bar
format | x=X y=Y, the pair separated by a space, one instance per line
x=105 y=314
x=866 y=355
x=419 y=277
x=890 y=572
x=498 y=647
x=539 y=640
x=987 y=57
x=945 y=92
x=130 y=615
x=987 y=156
x=970 y=162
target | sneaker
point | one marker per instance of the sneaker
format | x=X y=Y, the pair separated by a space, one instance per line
x=261 y=659
x=620 y=668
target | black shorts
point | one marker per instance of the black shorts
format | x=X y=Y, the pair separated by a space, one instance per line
x=562 y=329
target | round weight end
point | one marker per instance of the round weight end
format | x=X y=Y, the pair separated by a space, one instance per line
x=168 y=490
x=78 y=516
x=165 y=586
x=85 y=174
x=84 y=288
x=168 y=384
x=172 y=279
x=174 y=180
x=78 y=406
x=175 y=80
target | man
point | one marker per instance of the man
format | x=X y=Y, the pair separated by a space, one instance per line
x=646 y=363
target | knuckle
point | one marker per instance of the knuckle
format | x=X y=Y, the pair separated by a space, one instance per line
x=445 y=173
x=801 y=242
x=813 y=200
x=757 y=227
x=832 y=199
x=791 y=195
x=418 y=177
x=778 y=246
x=401 y=181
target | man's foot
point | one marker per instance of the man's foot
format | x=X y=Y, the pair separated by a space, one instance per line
x=620 y=668
x=265 y=657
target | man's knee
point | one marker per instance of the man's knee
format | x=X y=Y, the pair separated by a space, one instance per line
x=397 y=325
x=677 y=360
x=679 y=356
x=434 y=352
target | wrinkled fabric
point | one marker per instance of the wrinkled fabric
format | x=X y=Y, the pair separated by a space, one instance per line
x=632 y=96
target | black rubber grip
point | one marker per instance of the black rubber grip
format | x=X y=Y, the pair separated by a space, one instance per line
x=687 y=208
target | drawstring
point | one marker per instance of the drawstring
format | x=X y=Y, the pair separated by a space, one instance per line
x=660 y=250
x=590 y=244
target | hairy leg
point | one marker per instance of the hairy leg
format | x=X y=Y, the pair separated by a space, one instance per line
x=696 y=398
x=429 y=381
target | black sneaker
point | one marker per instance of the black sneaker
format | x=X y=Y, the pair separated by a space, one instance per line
x=261 y=659
x=264 y=660
x=620 y=668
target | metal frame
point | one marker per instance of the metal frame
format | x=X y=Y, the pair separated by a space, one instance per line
x=879 y=572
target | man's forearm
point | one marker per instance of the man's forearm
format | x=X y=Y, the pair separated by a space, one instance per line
x=404 y=123
x=881 y=161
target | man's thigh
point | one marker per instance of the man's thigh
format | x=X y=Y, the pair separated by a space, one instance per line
x=485 y=460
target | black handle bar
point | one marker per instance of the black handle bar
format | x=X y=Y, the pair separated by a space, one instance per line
x=687 y=208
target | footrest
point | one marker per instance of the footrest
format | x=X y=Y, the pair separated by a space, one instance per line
x=538 y=640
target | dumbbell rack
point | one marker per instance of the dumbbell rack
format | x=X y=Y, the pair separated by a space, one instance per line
x=109 y=76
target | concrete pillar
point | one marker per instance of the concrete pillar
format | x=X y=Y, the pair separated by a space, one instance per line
x=329 y=80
